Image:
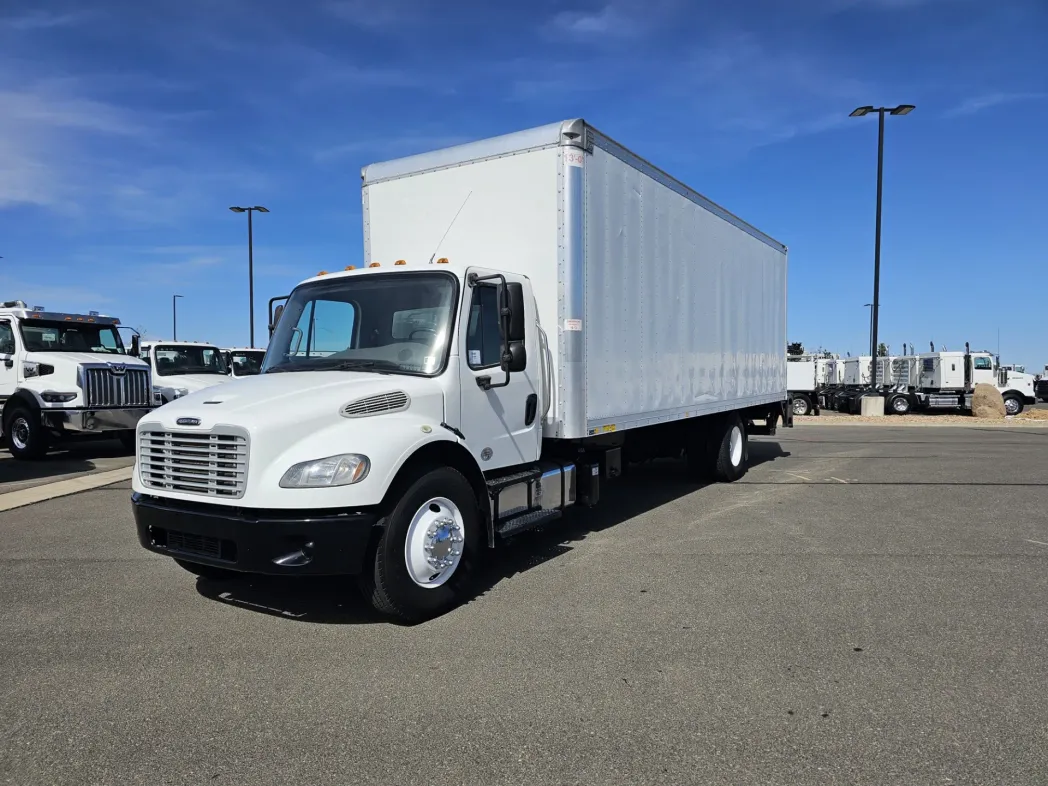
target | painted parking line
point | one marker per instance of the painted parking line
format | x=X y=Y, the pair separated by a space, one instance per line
x=62 y=488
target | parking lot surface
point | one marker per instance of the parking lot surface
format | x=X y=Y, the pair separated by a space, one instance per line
x=867 y=606
x=74 y=460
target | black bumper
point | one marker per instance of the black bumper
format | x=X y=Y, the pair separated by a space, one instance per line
x=274 y=543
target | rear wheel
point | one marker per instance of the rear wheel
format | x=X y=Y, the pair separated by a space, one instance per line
x=26 y=435
x=899 y=405
x=732 y=451
x=1013 y=404
x=209 y=572
x=801 y=404
x=429 y=548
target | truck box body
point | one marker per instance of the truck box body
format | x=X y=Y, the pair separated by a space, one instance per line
x=857 y=370
x=656 y=303
x=801 y=375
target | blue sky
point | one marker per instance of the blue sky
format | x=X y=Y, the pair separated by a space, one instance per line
x=127 y=129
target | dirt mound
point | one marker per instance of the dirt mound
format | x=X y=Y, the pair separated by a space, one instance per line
x=1033 y=414
x=987 y=402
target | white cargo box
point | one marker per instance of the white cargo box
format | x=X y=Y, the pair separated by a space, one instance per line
x=857 y=370
x=800 y=375
x=657 y=304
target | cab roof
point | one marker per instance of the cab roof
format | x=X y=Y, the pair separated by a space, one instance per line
x=395 y=266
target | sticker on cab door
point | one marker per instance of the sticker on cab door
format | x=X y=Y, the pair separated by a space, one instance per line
x=574 y=325
x=474 y=357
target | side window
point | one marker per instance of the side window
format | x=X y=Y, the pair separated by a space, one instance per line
x=984 y=364
x=7 y=339
x=482 y=338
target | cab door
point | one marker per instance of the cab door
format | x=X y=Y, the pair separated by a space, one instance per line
x=500 y=417
x=8 y=360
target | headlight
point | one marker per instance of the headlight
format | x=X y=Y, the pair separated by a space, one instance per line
x=179 y=392
x=57 y=398
x=340 y=470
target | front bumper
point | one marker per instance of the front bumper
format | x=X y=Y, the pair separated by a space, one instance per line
x=275 y=543
x=93 y=420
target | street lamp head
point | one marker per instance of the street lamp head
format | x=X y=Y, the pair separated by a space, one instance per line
x=862 y=110
x=238 y=209
x=260 y=209
x=903 y=109
x=174 y=296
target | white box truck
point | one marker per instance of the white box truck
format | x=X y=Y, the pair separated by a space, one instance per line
x=66 y=375
x=585 y=310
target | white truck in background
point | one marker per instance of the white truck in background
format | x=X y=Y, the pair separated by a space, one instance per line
x=946 y=380
x=243 y=361
x=183 y=367
x=415 y=413
x=64 y=376
x=807 y=376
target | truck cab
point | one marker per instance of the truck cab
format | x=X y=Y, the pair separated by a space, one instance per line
x=65 y=375
x=243 y=362
x=183 y=367
x=947 y=379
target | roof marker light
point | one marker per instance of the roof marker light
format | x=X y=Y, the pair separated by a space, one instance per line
x=351 y=267
x=400 y=262
x=375 y=264
x=442 y=261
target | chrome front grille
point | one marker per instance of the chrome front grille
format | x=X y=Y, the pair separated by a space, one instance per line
x=212 y=464
x=104 y=388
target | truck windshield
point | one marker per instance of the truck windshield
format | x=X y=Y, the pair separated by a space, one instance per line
x=246 y=363
x=390 y=323
x=173 y=360
x=44 y=336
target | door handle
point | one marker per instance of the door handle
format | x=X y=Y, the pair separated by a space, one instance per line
x=531 y=406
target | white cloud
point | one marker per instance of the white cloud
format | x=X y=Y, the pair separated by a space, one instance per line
x=989 y=100
x=607 y=22
x=44 y=20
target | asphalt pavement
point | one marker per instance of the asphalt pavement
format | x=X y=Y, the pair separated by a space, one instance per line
x=867 y=606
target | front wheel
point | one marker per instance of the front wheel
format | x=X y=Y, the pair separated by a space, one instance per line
x=428 y=549
x=1013 y=404
x=26 y=436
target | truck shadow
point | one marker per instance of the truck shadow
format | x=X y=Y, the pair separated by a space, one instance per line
x=62 y=460
x=336 y=601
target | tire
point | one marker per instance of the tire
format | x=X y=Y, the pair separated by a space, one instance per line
x=206 y=571
x=801 y=405
x=406 y=581
x=899 y=405
x=1013 y=404
x=26 y=437
x=732 y=451
x=128 y=440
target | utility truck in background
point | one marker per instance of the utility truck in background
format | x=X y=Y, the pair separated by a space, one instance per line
x=66 y=376
x=946 y=380
x=587 y=310
x=807 y=376
x=183 y=367
x=243 y=361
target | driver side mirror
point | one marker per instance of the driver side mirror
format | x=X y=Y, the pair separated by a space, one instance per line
x=514 y=355
x=136 y=346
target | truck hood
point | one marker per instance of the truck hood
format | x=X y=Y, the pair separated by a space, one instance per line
x=63 y=358
x=191 y=382
x=307 y=399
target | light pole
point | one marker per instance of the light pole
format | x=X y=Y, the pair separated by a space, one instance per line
x=901 y=109
x=174 y=317
x=250 y=265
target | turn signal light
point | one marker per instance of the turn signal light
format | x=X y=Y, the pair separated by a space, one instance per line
x=442 y=261
x=400 y=262
x=375 y=264
x=351 y=267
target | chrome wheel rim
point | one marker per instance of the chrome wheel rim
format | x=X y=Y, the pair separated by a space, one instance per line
x=900 y=405
x=1011 y=406
x=434 y=544
x=799 y=406
x=736 y=446
x=20 y=433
